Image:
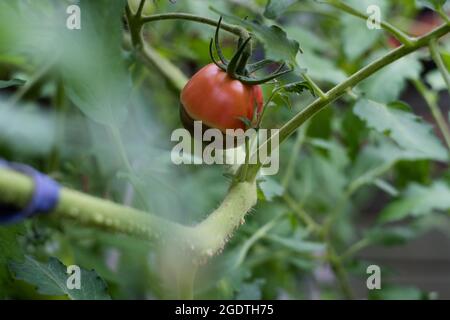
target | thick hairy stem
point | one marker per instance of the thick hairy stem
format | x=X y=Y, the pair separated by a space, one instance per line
x=211 y=235
x=16 y=189
x=204 y=239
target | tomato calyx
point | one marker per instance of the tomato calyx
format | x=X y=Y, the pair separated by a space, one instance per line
x=237 y=68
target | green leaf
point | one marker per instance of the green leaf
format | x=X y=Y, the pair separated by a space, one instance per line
x=375 y=161
x=390 y=236
x=321 y=69
x=418 y=200
x=276 y=44
x=10 y=250
x=391 y=292
x=11 y=83
x=310 y=41
x=387 y=84
x=408 y=130
x=298 y=87
x=283 y=93
x=357 y=38
x=432 y=4
x=51 y=279
x=275 y=8
x=297 y=245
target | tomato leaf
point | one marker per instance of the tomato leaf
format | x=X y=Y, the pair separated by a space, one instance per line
x=394 y=292
x=51 y=279
x=297 y=245
x=387 y=85
x=298 y=87
x=10 y=250
x=275 y=8
x=11 y=83
x=391 y=236
x=408 y=130
x=356 y=37
x=375 y=161
x=418 y=200
x=276 y=44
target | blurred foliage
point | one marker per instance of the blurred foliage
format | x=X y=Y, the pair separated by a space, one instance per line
x=74 y=104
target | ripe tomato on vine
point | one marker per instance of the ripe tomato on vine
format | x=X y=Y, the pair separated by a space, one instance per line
x=225 y=94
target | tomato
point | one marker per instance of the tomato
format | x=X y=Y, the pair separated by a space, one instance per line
x=219 y=101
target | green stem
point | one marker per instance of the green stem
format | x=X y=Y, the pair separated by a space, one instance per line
x=355 y=248
x=340 y=272
x=153 y=59
x=202 y=241
x=190 y=17
x=243 y=173
x=288 y=128
x=440 y=63
x=135 y=27
x=301 y=135
x=397 y=33
x=303 y=215
x=315 y=87
x=367 y=177
x=258 y=234
x=444 y=15
x=17 y=188
x=431 y=100
x=140 y=8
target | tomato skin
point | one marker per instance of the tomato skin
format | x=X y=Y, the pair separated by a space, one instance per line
x=218 y=100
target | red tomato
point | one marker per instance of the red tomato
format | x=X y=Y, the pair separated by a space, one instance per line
x=218 y=100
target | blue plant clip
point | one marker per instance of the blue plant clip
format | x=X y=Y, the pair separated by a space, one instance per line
x=44 y=199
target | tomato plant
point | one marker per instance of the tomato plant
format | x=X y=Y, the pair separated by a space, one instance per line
x=359 y=128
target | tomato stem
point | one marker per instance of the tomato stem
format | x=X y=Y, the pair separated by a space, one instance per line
x=232 y=68
x=213 y=59
x=217 y=43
